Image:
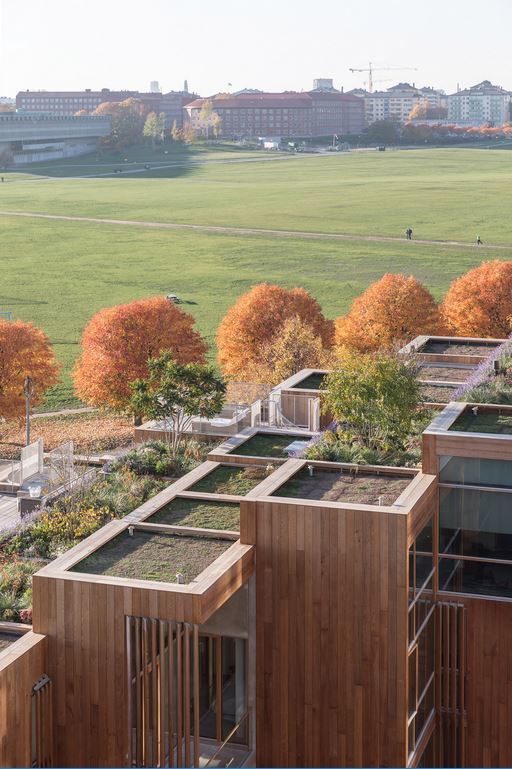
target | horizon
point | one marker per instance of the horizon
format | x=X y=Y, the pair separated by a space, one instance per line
x=282 y=53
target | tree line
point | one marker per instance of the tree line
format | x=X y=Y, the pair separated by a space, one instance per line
x=268 y=334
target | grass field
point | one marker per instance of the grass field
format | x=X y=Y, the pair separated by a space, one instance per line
x=58 y=273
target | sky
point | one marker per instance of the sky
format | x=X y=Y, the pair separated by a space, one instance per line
x=226 y=45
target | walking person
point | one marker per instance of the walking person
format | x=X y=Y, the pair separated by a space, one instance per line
x=479 y=241
x=408 y=233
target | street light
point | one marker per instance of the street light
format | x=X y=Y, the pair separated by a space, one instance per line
x=28 y=391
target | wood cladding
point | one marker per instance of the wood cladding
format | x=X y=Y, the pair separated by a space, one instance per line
x=331 y=588
x=21 y=666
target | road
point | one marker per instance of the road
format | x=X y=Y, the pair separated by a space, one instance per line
x=301 y=234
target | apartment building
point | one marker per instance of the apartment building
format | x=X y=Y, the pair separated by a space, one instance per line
x=482 y=103
x=289 y=114
x=68 y=103
x=329 y=615
x=397 y=102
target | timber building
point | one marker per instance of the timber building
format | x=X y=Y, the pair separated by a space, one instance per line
x=326 y=615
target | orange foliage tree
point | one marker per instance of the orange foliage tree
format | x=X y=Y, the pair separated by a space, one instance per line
x=256 y=319
x=394 y=309
x=118 y=342
x=479 y=303
x=25 y=351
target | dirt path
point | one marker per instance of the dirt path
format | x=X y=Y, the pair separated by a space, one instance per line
x=301 y=234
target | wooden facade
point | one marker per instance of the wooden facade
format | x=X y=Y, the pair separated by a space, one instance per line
x=21 y=666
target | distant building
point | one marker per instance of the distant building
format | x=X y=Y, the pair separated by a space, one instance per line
x=32 y=137
x=323 y=84
x=66 y=103
x=7 y=100
x=482 y=103
x=289 y=114
x=154 y=87
x=397 y=102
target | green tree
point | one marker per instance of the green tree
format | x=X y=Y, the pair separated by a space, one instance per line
x=154 y=127
x=128 y=118
x=208 y=118
x=383 y=131
x=374 y=398
x=174 y=393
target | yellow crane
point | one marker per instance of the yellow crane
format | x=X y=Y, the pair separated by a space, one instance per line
x=371 y=69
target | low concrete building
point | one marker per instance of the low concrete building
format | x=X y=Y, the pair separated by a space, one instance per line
x=30 y=138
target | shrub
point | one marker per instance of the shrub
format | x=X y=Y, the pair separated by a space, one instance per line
x=155 y=458
x=16 y=589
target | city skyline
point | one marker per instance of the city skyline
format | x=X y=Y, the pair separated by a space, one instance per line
x=212 y=49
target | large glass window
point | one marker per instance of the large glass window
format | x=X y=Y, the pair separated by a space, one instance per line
x=475 y=526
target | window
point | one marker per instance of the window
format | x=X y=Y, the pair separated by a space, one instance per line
x=475 y=526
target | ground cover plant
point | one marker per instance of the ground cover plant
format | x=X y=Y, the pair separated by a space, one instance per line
x=232 y=480
x=88 y=266
x=443 y=373
x=491 y=381
x=311 y=382
x=348 y=486
x=156 y=458
x=496 y=424
x=153 y=556
x=203 y=514
x=266 y=445
x=436 y=393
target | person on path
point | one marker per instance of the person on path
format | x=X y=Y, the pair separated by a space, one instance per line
x=408 y=233
x=479 y=241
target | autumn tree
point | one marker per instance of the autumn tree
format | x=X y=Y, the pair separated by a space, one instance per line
x=208 y=118
x=25 y=351
x=118 y=342
x=256 y=319
x=174 y=393
x=479 y=303
x=128 y=118
x=394 y=309
x=294 y=347
x=154 y=127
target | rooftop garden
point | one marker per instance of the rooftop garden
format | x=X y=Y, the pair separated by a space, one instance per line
x=6 y=639
x=16 y=588
x=483 y=422
x=444 y=373
x=199 y=513
x=437 y=393
x=345 y=485
x=459 y=347
x=267 y=445
x=375 y=400
x=491 y=381
x=232 y=479
x=312 y=382
x=153 y=556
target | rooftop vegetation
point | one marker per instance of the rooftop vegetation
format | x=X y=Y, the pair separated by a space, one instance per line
x=344 y=486
x=153 y=556
x=232 y=479
x=203 y=514
x=440 y=373
x=491 y=381
x=437 y=393
x=311 y=382
x=458 y=348
x=482 y=422
x=267 y=445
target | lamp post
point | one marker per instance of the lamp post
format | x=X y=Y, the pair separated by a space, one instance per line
x=28 y=391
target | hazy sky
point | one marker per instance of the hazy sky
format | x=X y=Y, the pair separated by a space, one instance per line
x=267 y=44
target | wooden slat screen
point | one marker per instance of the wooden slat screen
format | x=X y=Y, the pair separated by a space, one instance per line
x=163 y=692
x=42 y=723
x=452 y=681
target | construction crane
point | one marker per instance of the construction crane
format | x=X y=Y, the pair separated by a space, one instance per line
x=371 y=69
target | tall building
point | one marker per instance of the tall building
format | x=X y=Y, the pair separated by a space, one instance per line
x=66 y=103
x=154 y=87
x=331 y=615
x=289 y=114
x=482 y=103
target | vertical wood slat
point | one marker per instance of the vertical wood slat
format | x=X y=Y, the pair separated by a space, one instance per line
x=195 y=642
x=172 y=704
x=218 y=689
x=154 y=694
x=186 y=698
x=179 y=703
x=145 y=691
x=462 y=685
x=162 y=690
x=138 y=693
x=129 y=686
x=451 y=694
x=41 y=705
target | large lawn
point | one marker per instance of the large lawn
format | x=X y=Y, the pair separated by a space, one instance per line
x=58 y=273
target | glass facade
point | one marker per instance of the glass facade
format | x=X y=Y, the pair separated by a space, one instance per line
x=475 y=526
x=421 y=654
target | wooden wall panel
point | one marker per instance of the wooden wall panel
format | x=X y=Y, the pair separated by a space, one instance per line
x=489 y=681
x=331 y=636
x=20 y=668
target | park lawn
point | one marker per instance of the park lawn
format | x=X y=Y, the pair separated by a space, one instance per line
x=451 y=194
x=57 y=274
